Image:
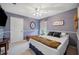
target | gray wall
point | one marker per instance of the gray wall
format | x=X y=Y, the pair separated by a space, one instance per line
x=27 y=30
x=78 y=18
x=6 y=29
x=73 y=39
x=67 y=17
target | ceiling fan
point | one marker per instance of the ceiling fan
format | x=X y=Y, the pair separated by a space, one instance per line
x=38 y=12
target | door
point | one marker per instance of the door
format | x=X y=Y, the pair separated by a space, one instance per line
x=16 y=28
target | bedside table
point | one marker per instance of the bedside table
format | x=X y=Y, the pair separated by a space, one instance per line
x=4 y=43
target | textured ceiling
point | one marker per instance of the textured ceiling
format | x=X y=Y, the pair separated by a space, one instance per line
x=45 y=9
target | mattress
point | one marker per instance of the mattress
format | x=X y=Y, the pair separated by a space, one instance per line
x=51 y=51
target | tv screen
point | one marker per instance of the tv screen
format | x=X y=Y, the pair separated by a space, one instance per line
x=3 y=17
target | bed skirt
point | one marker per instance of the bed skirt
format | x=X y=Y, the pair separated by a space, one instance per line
x=37 y=52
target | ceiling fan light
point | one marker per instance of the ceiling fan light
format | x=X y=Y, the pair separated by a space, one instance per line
x=34 y=14
x=37 y=9
x=37 y=13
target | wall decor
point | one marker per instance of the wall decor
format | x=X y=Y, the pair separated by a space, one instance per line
x=75 y=23
x=58 y=22
x=32 y=25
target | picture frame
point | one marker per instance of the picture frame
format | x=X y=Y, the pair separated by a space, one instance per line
x=32 y=25
x=58 y=22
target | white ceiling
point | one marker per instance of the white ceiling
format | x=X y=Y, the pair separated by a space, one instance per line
x=45 y=9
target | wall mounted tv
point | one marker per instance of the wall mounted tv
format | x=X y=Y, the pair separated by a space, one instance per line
x=3 y=17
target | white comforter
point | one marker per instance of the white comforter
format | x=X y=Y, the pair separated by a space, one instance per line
x=51 y=51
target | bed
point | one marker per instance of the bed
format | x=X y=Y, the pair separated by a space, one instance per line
x=42 y=49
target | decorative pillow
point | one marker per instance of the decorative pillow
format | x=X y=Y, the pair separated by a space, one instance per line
x=57 y=34
x=63 y=34
x=50 y=33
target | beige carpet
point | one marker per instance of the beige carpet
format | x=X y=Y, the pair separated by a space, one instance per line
x=28 y=52
x=20 y=48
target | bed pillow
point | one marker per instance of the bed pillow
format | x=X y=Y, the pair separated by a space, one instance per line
x=57 y=34
x=63 y=34
x=50 y=33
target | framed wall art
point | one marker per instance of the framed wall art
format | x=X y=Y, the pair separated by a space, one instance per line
x=32 y=25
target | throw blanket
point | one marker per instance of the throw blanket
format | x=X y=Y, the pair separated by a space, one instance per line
x=45 y=41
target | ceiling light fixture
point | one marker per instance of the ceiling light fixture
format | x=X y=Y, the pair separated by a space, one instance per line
x=36 y=13
x=37 y=9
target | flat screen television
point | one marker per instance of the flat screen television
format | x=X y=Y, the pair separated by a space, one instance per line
x=3 y=17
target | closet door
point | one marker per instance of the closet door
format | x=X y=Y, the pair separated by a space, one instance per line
x=16 y=28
